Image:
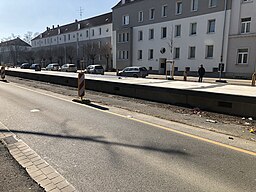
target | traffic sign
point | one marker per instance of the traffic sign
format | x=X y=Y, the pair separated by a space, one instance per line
x=81 y=85
x=3 y=73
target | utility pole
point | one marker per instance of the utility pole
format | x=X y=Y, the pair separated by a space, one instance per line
x=171 y=61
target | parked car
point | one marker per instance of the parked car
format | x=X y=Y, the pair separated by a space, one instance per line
x=36 y=67
x=25 y=66
x=134 y=72
x=53 y=67
x=69 y=68
x=95 y=69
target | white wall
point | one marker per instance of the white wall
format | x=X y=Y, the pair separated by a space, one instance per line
x=200 y=41
x=106 y=31
x=242 y=10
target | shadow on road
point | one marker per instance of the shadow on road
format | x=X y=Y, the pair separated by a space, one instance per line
x=208 y=87
x=5 y=81
x=99 y=139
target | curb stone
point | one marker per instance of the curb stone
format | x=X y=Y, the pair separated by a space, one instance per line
x=37 y=168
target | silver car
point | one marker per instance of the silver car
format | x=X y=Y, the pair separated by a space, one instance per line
x=53 y=67
x=69 y=68
x=95 y=69
x=134 y=72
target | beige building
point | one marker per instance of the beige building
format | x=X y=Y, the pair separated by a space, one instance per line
x=241 y=60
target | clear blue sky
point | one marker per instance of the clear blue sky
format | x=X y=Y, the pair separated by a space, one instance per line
x=20 y=16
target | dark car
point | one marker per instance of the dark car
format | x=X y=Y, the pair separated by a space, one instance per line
x=25 y=66
x=95 y=69
x=134 y=72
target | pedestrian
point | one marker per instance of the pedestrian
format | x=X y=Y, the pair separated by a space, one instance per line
x=201 y=72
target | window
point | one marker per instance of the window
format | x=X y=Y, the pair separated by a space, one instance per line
x=212 y=3
x=140 y=19
x=140 y=36
x=164 y=11
x=99 y=31
x=126 y=20
x=123 y=55
x=194 y=5
x=150 y=54
x=177 y=30
x=151 y=33
x=211 y=26
x=126 y=55
x=176 y=53
x=127 y=37
x=92 y=32
x=68 y=36
x=193 y=28
x=123 y=37
x=164 y=32
x=242 y=57
x=139 y=54
x=192 y=53
x=87 y=33
x=245 y=25
x=178 y=7
x=151 y=14
x=209 y=51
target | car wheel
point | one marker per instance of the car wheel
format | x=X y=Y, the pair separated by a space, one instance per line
x=134 y=75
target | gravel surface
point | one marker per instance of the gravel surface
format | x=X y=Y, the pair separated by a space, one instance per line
x=230 y=125
x=13 y=178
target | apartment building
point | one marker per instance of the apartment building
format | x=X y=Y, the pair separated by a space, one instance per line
x=14 y=51
x=82 y=42
x=242 y=39
x=190 y=32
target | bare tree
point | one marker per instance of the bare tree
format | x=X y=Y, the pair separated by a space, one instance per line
x=71 y=53
x=27 y=55
x=60 y=54
x=41 y=55
x=106 y=52
x=49 y=54
x=91 y=51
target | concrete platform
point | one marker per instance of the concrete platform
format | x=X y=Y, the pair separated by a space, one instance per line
x=224 y=98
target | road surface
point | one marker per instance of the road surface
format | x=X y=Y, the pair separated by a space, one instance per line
x=96 y=150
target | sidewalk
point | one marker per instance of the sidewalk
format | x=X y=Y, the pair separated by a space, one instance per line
x=195 y=79
x=13 y=177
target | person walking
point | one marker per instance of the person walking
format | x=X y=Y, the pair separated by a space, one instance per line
x=201 y=72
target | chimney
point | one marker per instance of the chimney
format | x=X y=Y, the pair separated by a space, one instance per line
x=76 y=20
x=52 y=26
x=58 y=26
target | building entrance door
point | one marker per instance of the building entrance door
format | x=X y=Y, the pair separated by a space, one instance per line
x=162 y=66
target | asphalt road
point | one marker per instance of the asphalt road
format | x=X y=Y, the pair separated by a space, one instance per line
x=99 y=151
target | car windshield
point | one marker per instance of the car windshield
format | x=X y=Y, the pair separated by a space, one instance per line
x=143 y=69
x=98 y=67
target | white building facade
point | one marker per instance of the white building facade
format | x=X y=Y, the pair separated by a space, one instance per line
x=242 y=39
x=71 y=42
x=191 y=32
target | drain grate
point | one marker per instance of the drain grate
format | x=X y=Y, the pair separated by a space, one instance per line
x=10 y=140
